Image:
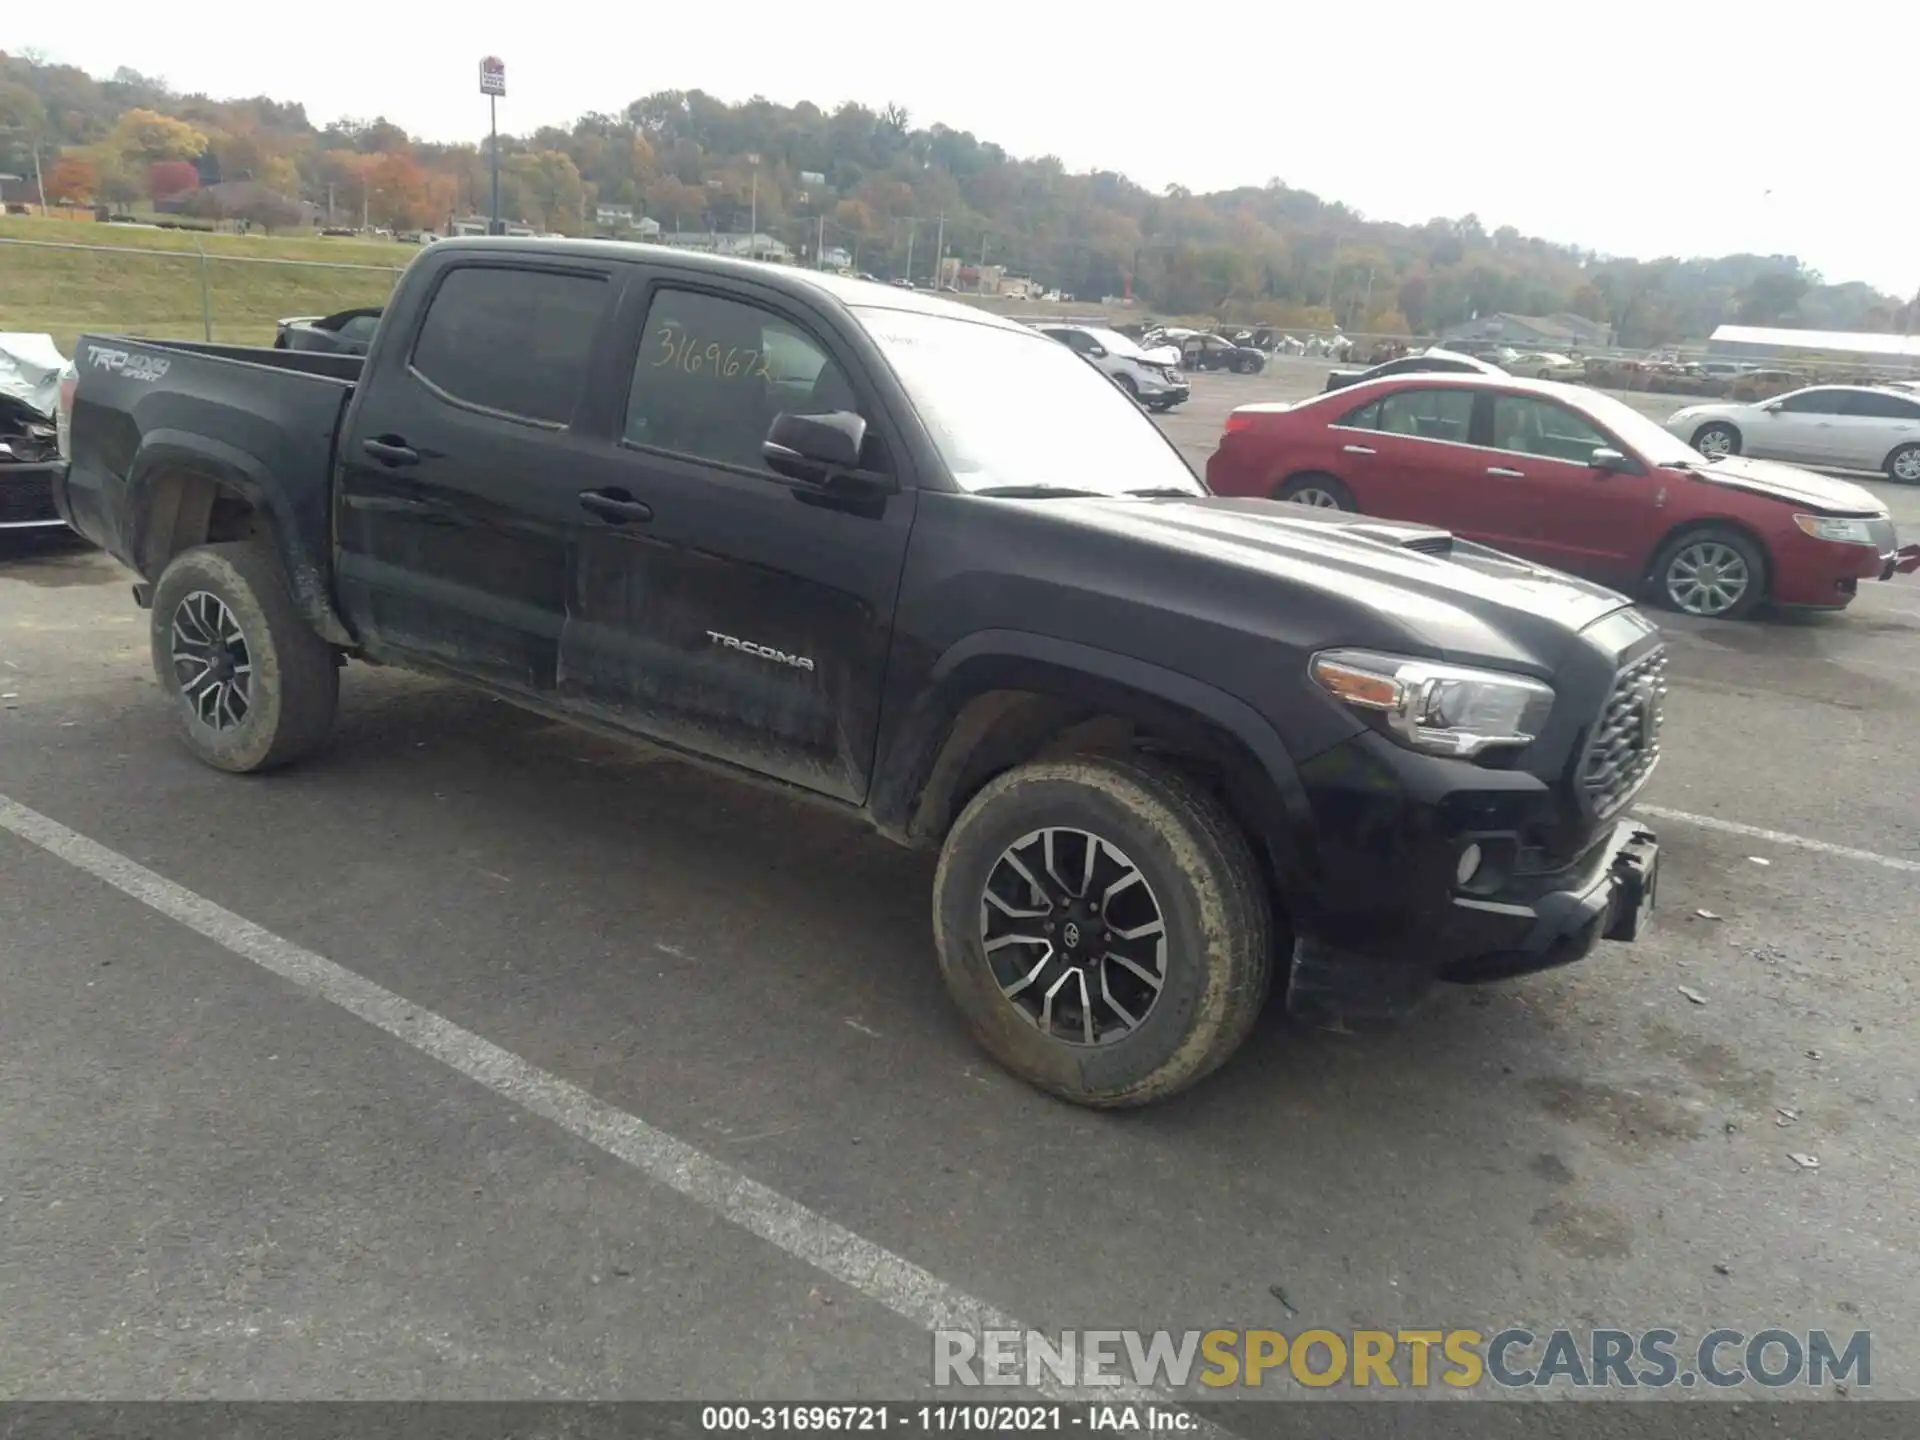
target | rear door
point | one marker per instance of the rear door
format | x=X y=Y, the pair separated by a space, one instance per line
x=1875 y=424
x=1567 y=512
x=454 y=507
x=1411 y=458
x=715 y=605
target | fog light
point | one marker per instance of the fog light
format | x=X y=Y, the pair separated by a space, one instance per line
x=1469 y=865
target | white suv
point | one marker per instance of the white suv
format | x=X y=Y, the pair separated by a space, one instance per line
x=1155 y=385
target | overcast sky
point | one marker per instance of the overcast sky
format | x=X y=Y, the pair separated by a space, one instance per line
x=1631 y=127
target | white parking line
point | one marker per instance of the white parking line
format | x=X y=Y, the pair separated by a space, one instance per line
x=874 y=1271
x=1780 y=837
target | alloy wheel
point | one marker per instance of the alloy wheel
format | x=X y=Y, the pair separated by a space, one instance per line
x=1316 y=497
x=1074 y=935
x=1906 y=465
x=211 y=661
x=1707 y=578
x=1714 y=443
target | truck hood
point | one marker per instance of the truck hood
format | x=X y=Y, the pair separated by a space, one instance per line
x=1791 y=483
x=1462 y=601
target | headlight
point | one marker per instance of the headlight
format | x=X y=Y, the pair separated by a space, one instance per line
x=1827 y=527
x=1441 y=709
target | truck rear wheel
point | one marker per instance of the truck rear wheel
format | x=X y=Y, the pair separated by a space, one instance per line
x=250 y=684
x=1103 y=926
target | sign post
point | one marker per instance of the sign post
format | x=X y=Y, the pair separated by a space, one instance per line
x=493 y=84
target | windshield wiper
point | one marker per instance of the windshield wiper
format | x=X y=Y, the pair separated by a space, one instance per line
x=1036 y=492
x=1161 y=492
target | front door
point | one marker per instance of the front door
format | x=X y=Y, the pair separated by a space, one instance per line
x=451 y=523
x=714 y=605
x=1801 y=427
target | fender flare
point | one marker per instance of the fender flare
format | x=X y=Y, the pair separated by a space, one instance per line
x=166 y=451
x=999 y=660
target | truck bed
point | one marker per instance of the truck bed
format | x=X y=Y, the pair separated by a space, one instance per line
x=144 y=408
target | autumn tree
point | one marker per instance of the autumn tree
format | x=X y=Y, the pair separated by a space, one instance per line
x=74 y=180
x=266 y=208
x=280 y=174
x=117 y=183
x=551 y=189
x=853 y=218
x=675 y=203
x=167 y=178
x=140 y=137
x=399 y=195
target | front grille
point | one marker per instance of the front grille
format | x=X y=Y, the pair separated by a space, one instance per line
x=26 y=494
x=1625 y=743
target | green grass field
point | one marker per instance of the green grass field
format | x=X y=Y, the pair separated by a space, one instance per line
x=126 y=280
x=135 y=281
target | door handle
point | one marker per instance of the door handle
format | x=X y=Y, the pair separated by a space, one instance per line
x=391 y=450
x=1356 y=450
x=615 y=506
x=1506 y=474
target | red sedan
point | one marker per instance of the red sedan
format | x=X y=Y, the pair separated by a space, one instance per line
x=1569 y=478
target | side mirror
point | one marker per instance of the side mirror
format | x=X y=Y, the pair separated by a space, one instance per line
x=1613 y=462
x=819 y=449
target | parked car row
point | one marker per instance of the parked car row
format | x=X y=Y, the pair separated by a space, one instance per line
x=1581 y=481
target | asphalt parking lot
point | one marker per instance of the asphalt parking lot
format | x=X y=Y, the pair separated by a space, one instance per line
x=480 y=1058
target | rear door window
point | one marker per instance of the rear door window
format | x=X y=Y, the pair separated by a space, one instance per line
x=511 y=341
x=1434 y=414
x=1878 y=405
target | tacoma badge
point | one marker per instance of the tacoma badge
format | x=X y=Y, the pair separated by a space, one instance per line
x=765 y=652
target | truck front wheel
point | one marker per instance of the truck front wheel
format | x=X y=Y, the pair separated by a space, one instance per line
x=1103 y=926
x=250 y=684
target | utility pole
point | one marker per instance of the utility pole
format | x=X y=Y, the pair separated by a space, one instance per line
x=753 y=206
x=820 y=244
x=940 y=250
x=910 y=228
x=39 y=182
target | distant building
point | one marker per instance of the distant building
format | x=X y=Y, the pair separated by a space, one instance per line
x=1557 y=332
x=756 y=246
x=835 y=257
x=613 y=214
x=477 y=225
x=1853 y=347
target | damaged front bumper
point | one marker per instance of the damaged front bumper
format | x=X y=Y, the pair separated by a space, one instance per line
x=1903 y=561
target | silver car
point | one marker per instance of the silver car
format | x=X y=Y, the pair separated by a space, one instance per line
x=1844 y=427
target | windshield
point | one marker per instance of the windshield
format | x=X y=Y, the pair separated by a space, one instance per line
x=1655 y=445
x=1011 y=408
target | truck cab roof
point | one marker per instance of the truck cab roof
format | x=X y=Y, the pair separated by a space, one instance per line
x=792 y=279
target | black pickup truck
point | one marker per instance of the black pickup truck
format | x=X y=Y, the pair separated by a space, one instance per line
x=924 y=565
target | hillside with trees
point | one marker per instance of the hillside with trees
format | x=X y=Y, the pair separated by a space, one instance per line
x=692 y=162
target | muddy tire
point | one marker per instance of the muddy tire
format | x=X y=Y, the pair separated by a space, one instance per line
x=249 y=683
x=1110 y=981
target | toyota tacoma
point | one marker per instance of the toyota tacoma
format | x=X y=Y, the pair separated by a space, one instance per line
x=1173 y=751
